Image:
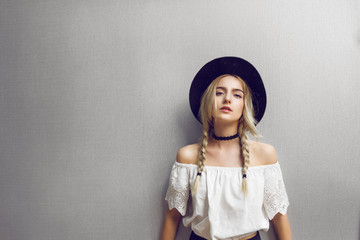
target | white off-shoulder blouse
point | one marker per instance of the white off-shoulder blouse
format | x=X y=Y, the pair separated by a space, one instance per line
x=219 y=210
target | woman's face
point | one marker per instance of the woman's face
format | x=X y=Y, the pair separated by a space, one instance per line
x=229 y=99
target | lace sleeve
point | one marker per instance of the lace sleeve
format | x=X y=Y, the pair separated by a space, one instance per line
x=275 y=197
x=177 y=194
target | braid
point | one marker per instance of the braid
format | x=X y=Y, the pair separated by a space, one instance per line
x=201 y=160
x=246 y=158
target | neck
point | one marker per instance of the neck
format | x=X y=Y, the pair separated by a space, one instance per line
x=223 y=138
x=225 y=130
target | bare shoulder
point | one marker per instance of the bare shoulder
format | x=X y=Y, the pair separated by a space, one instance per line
x=263 y=152
x=188 y=154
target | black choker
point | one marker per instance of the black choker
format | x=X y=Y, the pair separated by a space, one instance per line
x=225 y=138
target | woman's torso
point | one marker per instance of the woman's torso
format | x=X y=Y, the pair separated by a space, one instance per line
x=219 y=208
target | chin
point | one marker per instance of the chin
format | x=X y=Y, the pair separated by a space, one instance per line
x=226 y=120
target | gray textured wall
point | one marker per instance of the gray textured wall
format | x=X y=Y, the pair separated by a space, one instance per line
x=94 y=106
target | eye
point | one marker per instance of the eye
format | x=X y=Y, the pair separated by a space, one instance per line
x=219 y=93
x=237 y=95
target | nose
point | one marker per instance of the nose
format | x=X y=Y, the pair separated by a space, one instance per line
x=227 y=98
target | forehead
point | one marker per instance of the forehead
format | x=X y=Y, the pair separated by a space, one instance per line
x=230 y=82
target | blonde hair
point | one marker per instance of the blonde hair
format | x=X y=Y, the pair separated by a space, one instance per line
x=247 y=122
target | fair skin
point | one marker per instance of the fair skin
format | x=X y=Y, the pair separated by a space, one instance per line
x=229 y=94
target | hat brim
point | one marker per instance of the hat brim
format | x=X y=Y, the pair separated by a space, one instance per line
x=228 y=65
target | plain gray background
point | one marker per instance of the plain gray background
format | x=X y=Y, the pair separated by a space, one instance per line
x=94 y=106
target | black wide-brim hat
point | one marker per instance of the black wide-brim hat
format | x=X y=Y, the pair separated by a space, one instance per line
x=234 y=66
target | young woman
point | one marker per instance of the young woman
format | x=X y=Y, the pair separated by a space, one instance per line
x=227 y=186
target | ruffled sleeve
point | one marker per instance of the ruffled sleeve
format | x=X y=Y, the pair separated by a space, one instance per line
x=275 y=197
x=177 y=194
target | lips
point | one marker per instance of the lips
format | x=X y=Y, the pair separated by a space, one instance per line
x=226 y=109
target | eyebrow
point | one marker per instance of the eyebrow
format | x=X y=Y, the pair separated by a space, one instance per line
x=234 y=89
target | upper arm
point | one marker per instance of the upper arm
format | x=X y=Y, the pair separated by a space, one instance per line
x=282 y=226
x=279 y=218
x=173 y=214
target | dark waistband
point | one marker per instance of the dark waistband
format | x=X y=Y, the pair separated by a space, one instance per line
x=193 y=236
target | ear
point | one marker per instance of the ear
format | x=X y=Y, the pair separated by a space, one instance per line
x=211 y=123
x=212 y=115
